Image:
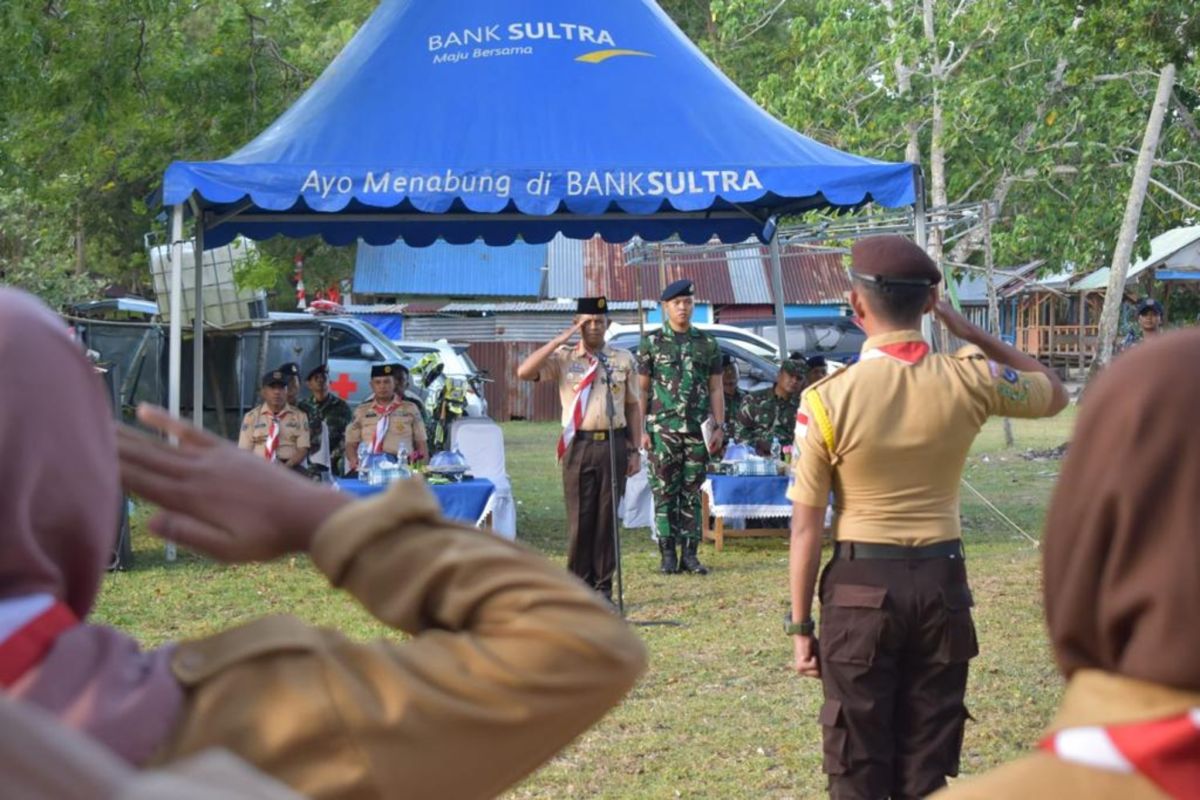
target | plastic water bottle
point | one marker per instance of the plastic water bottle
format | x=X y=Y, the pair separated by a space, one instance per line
x=364 y=465
x=776 y=449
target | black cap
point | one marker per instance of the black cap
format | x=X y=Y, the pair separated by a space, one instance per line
x=290 y=369
x=318 y=369
x=727 y=360
x=592 y=305
x=275 y=377
x=384 y=370
x=683 y=288
x=892 y=260
x=817 y=362
x=1149 y=304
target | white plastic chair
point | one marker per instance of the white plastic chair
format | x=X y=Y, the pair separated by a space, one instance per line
x=481 y=441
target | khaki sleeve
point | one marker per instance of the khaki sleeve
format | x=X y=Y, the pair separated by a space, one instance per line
x=246 y=436
x=812 y=465
x=304 y=440
x=633 y=391
x=1005 y=391
x=420 y=435
x=551 y=368
x=510 y=658
x=353 y=434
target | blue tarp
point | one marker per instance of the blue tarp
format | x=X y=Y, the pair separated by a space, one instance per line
x=390 y=325
x=446 y=270
x=524 y=118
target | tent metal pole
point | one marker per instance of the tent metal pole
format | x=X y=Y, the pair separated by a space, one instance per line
x=175 y=344
x=777 y=290
x=921 y=235
x=198 y=320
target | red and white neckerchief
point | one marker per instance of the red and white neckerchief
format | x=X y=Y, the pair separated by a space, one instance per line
x=37 y=624
x=908 y=353
x=1165 y=752
x=381 y=427
x=271 y=446
x=575 y=419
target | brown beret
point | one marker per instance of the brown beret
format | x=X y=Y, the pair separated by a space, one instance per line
x=892 y=260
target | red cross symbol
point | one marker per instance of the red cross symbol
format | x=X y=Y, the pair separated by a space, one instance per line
x=343 y=387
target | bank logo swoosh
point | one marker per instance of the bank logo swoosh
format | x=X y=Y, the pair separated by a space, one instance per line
x=604 y=55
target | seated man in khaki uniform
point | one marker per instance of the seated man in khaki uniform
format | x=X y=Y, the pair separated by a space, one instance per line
x=276 y=430
x=890 y=435
x=386 y=421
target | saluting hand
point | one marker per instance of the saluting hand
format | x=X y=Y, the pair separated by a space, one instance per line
x=264 y=512
x=808 y=662
x=566 y=335
x=955 y=322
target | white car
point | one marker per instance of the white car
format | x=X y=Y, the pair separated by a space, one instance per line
x=744 y=338
x=456 y=364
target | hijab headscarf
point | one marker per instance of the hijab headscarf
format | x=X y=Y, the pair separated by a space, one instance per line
x=1122 y=542
x=58 y=524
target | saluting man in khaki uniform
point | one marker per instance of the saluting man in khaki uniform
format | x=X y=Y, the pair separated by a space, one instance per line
x=588 y=482
x=889 y=435
x=386 y=421
x=276 y=430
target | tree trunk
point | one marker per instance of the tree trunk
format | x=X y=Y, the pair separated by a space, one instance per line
x=80 y=252
x=1111 y=312
x=993 y=301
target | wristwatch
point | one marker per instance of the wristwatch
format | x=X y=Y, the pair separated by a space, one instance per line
x=805 y=628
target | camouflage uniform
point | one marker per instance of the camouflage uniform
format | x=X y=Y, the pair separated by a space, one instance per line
x=765 y=416
x=679 y=366
x=336 y=414
x=733 y=406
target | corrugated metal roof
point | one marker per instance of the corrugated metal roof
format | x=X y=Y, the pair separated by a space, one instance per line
x=814 y=278
x=446 y=270
x=543 y=307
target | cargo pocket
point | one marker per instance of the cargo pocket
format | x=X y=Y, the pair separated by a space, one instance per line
x=959 y=643
x=852 y=623
x=833 y=737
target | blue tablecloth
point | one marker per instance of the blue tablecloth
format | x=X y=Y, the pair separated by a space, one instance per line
x=748 y=495
x=468 y=501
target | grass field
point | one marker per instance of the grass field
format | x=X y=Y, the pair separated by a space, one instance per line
x=718 y=714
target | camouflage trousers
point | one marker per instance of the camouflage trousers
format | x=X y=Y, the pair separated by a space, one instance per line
x=677 y=465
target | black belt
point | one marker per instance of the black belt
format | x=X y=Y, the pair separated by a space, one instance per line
x=897 y=552
x=597 y=436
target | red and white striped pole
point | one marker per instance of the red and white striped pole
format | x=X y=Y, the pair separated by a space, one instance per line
x=301 y=299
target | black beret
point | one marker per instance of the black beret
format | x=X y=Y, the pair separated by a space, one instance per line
x=318 y=369
x=592 y=305
x=817 y=362
x=892 y=259
x=275 y=377
x=290 y=368
x=683 y=288
x=727 y=360
x=1149 y=304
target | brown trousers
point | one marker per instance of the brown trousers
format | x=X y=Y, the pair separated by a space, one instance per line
x=895 y=639
x=588 y=484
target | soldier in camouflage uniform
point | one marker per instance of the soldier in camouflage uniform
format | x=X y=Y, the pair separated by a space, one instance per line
x=770 y=414
x=325 y=407
x=734 y=397
x=679 y=372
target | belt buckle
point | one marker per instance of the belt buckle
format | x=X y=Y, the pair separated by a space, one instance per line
x=600 y=436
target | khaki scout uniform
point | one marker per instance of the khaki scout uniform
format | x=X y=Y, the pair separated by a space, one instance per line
x=508 y=659
x=588 y=482
x=404 y=425
x=1092 y=698
x=293 y=431
x=889 y=436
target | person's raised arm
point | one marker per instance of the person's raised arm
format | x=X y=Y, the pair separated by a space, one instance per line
x=1001 y=352
x=532 y=365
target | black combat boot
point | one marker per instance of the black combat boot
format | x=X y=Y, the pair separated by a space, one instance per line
x=670 y=562
x=689 y=561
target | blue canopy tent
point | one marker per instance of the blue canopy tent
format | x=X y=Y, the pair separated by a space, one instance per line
x=479 y=119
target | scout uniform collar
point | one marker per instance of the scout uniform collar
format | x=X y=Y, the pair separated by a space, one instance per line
x=1093 y=697
x=907 y=347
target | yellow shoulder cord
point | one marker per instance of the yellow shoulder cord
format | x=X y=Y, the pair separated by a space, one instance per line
x=822 y=418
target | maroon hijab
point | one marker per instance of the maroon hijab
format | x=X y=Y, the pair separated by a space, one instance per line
x=1122 y=543
x=58 y=523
